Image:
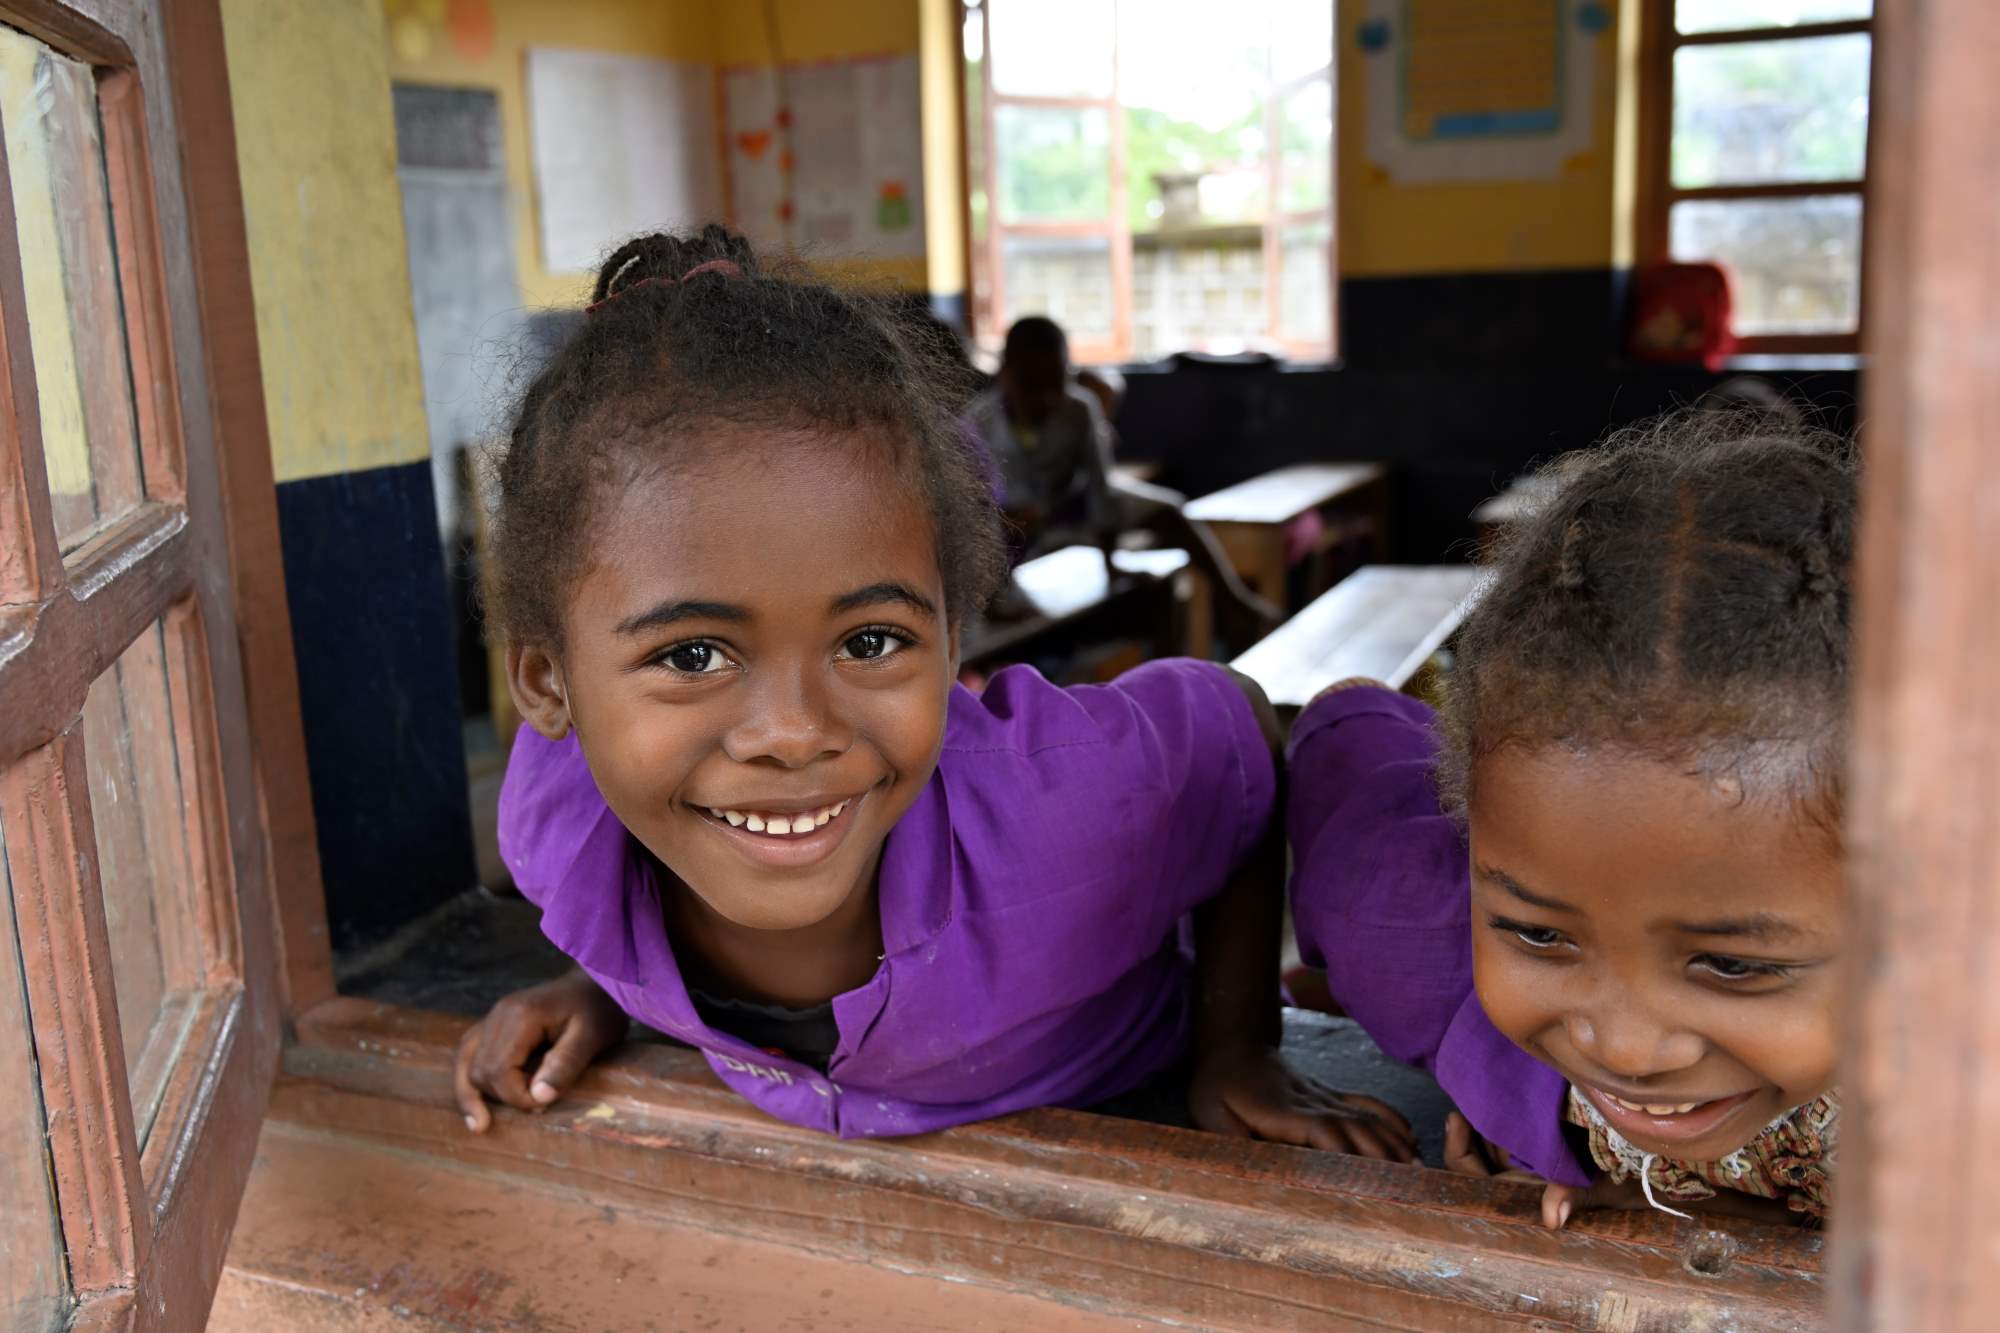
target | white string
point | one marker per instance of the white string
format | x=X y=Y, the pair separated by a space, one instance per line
x=1646 y=1186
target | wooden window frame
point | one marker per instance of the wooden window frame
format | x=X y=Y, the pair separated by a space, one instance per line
x=1115 y=228
x=1660 y=39
x=143 y=1230
x=1080 y=1207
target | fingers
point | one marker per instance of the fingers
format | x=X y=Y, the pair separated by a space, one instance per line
x=477 y=1117
x=1558 y=1202
x=1335 y=1133
x=1461 y=1148
x=1387 y=1121
x=565 y=1061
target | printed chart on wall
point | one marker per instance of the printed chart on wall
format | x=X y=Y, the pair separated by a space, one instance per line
x=1527 y=113
x=826 y=159
x=622 y=144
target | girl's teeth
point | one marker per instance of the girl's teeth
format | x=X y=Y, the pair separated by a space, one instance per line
x=780 y=825
x=1651 y=1108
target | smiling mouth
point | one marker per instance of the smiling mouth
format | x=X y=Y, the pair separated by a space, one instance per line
x=1671 y=1122
x=774 y=824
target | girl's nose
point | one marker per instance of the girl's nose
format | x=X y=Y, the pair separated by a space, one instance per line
x=788 y=719
x=1631 y=1043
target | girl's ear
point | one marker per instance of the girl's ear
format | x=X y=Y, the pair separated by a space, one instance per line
x=534 y=678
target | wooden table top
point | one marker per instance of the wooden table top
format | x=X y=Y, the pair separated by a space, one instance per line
x=1281 y=496
x=1063 y=584
x=1382 y=622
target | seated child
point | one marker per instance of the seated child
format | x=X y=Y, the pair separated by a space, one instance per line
x=1050 y=441
x=738 y=532
x=1602 y=903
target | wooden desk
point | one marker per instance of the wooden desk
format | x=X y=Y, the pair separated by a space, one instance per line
x=1074 y=597
x=1521 y=501
x=1382 y=622
x=1250 y=518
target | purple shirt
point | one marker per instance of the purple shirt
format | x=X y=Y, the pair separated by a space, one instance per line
x=1031 y=900
x=1381 y=895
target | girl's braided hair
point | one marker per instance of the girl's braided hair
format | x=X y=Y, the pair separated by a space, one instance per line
x=686 y=333
x=1684 y=595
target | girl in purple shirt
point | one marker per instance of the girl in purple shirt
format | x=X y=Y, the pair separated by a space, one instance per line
x=737 y=537
x=1602 y=903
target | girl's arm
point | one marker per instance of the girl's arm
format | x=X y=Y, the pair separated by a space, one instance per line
x=1242 y=1084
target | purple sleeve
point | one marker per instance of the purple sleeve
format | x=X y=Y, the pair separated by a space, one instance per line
x=1161 y=782
x=1380 y=893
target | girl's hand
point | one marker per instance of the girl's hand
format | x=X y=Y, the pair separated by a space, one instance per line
x=1251 y=1092
x=568 y=1020
x=1470 y=1155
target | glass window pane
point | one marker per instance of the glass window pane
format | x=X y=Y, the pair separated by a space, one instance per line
x=142 y=857
x=1305 y=291
x=1054 y=163
x=1730 y=15
x=1749 y=113
x=1199 y=292
x=31 y=1256
x=55 y=154
x=1067 y=278
x=1795 y=264
x=1306 y=167
x=1052 y=48
x=1301 y=38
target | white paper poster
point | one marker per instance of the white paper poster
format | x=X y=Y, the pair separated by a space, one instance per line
x=827 y=158
x=622 y=145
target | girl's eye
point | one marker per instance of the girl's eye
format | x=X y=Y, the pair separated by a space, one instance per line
x=1737 y=969
x=871 y=644
x=695 y=658
x=1535 y=937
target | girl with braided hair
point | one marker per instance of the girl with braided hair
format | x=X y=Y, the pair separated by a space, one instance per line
x=738 y=535
x=1601 y=898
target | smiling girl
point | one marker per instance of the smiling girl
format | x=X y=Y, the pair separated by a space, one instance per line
x=1615 y=939
x=738 y=537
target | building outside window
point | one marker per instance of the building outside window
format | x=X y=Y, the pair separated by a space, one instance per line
x=1153 y=179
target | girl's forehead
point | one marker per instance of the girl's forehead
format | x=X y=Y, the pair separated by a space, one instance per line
x=1608 y=830
x=770 y=512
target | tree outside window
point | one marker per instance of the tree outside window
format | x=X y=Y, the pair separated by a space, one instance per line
x=1757 y=130
x=1150 y=178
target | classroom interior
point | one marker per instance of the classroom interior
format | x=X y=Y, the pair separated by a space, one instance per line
x=1346 y=272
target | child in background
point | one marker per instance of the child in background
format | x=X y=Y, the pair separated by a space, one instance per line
x=1616 y=940
x=738 y=532
x=1050 y=441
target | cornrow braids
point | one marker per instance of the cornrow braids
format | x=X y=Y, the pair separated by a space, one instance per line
x=1683 y=596
x=688 y=332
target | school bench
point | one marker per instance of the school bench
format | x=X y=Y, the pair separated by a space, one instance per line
x=1252 y=519
x=1382 y=622
x=1496 y=517
x=1073 y=599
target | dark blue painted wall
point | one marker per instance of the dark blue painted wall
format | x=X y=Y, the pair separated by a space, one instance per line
x=372 y=630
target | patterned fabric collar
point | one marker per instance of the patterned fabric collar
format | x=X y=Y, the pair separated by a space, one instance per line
x=1793 y=1160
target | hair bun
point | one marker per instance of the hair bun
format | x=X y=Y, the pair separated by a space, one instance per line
x=661 y=258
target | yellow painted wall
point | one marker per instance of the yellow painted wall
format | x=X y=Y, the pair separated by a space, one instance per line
x=1386 y=228
x=316 y=145
x=420 y=50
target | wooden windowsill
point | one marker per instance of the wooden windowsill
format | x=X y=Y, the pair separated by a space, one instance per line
x=1086 y=1208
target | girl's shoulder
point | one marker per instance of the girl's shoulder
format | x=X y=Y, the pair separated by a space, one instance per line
x=1166 y=766
x=552 y=816
x=1160 y=725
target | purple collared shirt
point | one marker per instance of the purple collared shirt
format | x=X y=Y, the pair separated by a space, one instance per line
x=1381 y=896
x=1031 y=901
